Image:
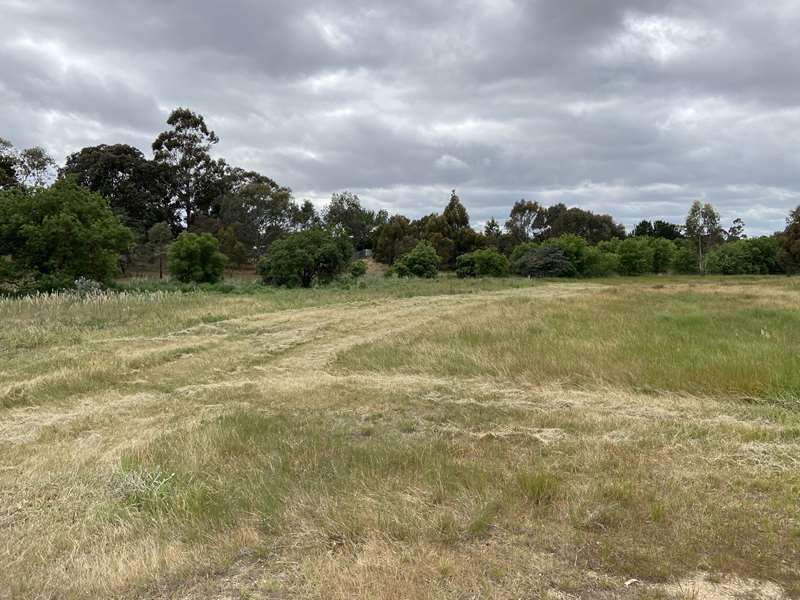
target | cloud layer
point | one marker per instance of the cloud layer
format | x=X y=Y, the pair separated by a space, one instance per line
x=635 y=108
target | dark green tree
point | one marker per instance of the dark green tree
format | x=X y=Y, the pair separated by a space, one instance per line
x=644 y=228
x=8 y=166
x=591 y=227
x=668 y=231
x=137 y=189
x=542 y=261
x=492 y=233
x=455 y=215
x=304 y=258
x=54 y=235
x=394 y=239
x=789 y=252
x=305 y=216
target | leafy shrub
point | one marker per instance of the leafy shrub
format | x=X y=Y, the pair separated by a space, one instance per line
x=576 y=251
x=358 y=269
x=745 y=257
x=543 y=261
x=422 y=261
x=684 y=259
x=52 y=236
x=304 y=258
x=602 y=264
x=482 y=263
x=635 y=256
x=521 y=250
x=196 y=257
x=663 y=254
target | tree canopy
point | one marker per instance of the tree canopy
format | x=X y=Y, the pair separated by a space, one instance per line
x=57 y=234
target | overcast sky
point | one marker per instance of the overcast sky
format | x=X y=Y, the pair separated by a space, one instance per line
x=634 y=108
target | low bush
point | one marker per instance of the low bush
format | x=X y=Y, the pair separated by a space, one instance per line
x=543 y=261
x=358 y=269
x=482 y=263
x=422 y=261
x=757 y=256
x=196 y=258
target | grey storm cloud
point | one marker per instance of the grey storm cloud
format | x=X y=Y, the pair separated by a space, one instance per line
x=631 y=107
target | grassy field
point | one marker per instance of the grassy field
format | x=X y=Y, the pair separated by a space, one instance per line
x=431 y=439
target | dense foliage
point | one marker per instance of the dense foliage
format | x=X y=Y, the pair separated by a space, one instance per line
x=305 y=258
x=196 y=258
x=542 y=261
x=482 y=263
x=422 y=261
x=51 y=236
x=789 y=249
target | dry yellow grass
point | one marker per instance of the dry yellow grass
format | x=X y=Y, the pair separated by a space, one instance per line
x=206 y=446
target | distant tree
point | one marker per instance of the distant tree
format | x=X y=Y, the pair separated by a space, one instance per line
x=198 y=181
x=492 y=233
x=422 y=261
x=736 y=231
x=230 y=245
x=591 y=227
x=668 y=231
x=644 y=228
x=542 y=261
x=196 y=258
x=159 y=237
x=394 y=239
x=305 y=216
x=35 y=167
x=757 y=256
x=306 y=257
x=8 y=166
x=31 y=167
x=54 y=235
x=703 y=228
x=789 y=253
x=455 y=215
x=482 y=263
x=526 y=222
x=345 y=215
x=136 y=189
x=256 y=215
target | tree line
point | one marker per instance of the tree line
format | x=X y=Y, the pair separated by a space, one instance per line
x=109 y=208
